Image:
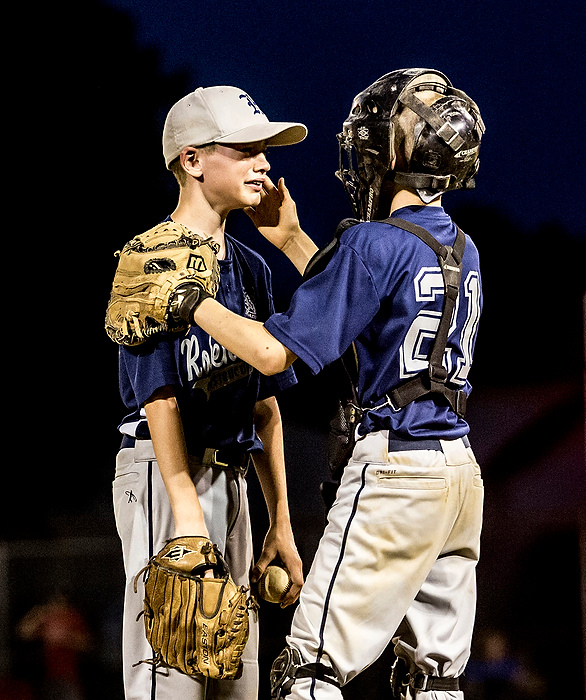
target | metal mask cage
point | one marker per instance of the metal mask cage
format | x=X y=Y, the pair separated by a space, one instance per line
x=348 y=174
x=362 y=167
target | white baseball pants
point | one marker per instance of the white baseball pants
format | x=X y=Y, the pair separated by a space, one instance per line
x=396 y=562
x=145 y=522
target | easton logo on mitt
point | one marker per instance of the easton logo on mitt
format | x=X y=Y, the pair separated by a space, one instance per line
x=152 y=267
x=194 y=623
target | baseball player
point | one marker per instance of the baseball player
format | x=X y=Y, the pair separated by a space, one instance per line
x=196 y=412
x=401 y=297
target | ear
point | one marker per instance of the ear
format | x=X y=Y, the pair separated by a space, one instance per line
x=190 y=161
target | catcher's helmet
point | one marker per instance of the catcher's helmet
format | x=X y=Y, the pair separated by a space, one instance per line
x=446 y=139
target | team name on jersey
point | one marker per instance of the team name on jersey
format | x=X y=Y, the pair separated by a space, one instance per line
x=198 y=362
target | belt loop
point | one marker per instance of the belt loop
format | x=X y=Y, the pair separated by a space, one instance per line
x=455 y=452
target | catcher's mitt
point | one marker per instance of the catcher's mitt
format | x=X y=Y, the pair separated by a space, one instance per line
x=195 y=624
x=151 y=268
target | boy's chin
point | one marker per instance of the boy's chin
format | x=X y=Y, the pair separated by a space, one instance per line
x=252 y=201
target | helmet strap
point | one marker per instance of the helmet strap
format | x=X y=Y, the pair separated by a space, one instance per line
x=421 y=181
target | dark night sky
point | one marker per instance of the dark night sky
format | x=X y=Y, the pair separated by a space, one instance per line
x=305 y=61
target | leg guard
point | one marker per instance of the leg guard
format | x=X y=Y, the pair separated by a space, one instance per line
x=401 y=679
x=287 y=668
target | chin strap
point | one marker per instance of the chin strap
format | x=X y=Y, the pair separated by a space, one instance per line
x=421 y=181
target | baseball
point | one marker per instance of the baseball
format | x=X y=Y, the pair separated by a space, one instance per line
x=274 y=584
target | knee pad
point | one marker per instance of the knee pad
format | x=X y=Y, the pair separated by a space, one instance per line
x=287 y=668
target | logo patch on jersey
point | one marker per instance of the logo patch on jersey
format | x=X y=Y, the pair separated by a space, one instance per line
x=249 y=307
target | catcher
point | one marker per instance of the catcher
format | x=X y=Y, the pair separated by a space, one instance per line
x=196 y=415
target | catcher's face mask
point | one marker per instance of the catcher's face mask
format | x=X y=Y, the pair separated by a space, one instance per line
x=446 y=140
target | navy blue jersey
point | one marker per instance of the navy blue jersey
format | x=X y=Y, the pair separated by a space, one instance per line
x=384 y=290
x=216 y=391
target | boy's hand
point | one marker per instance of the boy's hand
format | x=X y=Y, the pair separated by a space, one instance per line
x=279 y=546
x=276 y=215
x=276 y=219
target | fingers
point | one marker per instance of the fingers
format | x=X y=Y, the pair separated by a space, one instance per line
x=286 y=199
x=296 y=573
x=292 y=562
x=270 y=200
x=268 y=186
x=292 y=593
x=283 y=190
x=287 y=557
x=260 y=566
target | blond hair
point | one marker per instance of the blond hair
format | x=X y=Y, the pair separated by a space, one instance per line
x=177 y=169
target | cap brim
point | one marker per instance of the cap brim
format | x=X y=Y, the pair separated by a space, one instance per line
x=274 y=133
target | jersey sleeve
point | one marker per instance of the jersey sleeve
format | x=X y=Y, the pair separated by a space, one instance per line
x=145 y=369
x=328 y=311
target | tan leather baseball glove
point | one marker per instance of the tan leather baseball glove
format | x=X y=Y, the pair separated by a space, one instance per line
x=154 y=270
x=196 y=624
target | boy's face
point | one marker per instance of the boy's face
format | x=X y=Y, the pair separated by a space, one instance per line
x=234 y=175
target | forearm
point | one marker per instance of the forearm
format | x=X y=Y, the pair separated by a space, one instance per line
x=299 y=249
x=247 y=339
x=270 y=464
x=168 y=439
x=279 y=543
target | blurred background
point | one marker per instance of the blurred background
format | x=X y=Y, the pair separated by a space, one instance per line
x=87 y=90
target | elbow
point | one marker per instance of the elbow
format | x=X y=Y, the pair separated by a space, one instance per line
x=270 y=364
x=273 y=358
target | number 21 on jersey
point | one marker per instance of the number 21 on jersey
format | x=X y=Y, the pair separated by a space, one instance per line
x=416 y=347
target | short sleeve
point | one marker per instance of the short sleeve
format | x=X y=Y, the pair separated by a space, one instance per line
x=145 y=369
x=328 y=311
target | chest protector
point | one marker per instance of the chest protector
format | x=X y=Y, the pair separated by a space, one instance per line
x=431 y=382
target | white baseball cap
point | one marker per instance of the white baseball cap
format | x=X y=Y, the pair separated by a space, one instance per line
x=222 y=114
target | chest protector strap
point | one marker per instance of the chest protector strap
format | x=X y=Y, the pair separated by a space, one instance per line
x=433 y=379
